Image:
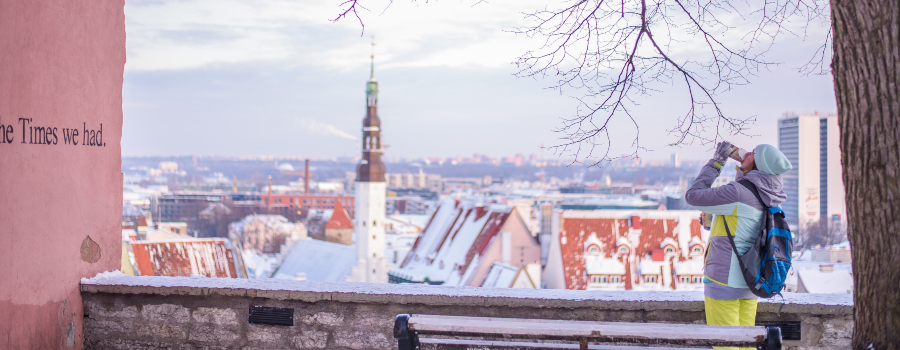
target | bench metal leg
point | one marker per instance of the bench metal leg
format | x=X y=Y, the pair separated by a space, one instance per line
x=773 y=339
x=406 y=339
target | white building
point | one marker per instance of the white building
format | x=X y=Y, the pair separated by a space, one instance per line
x=370 y=196
x=814 y=186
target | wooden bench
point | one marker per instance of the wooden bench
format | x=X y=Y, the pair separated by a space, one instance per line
x=419 y=332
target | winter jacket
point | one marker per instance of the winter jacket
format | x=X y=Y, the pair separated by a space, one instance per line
x=734 y=205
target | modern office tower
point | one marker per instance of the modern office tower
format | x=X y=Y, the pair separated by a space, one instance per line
x=676 y=160
x=370 y=195
x=814 y=186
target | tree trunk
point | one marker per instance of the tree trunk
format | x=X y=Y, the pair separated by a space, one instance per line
x=866 y=70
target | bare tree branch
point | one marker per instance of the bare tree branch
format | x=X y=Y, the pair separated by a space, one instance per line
x=613 y=52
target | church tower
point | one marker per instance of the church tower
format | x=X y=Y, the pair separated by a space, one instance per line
x=370 y=194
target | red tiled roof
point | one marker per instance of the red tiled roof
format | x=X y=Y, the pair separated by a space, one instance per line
x=494 y=222
x=575 y=231
x=572 y=236
x=653 y=231
x=205 y=257
x=339 y=218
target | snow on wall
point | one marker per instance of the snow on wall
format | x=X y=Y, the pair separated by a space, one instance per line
x=348 y=291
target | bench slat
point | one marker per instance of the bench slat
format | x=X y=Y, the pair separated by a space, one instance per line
x=530 y=345
x=514 y=326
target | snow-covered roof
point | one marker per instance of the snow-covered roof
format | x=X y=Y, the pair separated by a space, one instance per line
x=668 y=241
x=456 y=235
x=500 y=276
x=644 y=231
x=593 y=240
x=285 y=167
x=597 y=265
x=321 y=261
x=210 y=257
x=163 y=234
x=695 y=241
x=815 y=281
x=650 y=267
x=277 y=222
x=689 y=267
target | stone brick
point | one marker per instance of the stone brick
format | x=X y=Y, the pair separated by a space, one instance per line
x=265 y=334
x=160 y=331
x=128 y=344
x=838 y=332
x=221 y=317
x=166 y=313
x=212 y=335
x=361 y=340
x=311 y=339
x=105 y=328
x=97 y=310
x=323 y=318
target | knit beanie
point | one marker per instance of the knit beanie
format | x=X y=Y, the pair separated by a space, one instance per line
x=770 y=160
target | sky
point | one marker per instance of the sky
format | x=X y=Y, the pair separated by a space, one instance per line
x=279 y=78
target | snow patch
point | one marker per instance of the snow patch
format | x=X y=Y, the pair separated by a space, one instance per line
x=100 y=276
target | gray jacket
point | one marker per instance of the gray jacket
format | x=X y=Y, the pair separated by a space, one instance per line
x=734 y=205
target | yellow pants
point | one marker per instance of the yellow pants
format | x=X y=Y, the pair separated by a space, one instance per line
x=738 y=312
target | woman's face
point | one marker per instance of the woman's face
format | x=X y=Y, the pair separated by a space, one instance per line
x=748 y=163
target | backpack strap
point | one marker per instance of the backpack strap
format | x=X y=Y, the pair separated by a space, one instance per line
x=753 y=288
x=750 y=186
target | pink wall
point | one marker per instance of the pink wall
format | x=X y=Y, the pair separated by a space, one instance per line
x=520 y=237
x=61 y=65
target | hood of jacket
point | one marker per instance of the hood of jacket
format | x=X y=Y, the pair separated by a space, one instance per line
x=771 y=187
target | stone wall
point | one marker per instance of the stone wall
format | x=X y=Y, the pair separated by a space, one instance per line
x=127 y=312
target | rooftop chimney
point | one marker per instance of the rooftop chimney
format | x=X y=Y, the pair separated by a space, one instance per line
x=306 y=177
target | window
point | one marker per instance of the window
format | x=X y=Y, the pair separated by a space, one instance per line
x=623 y=250
x=593 y=249
x=605 y=279
x=670 y=250
x=697 y=250
x=650 y=279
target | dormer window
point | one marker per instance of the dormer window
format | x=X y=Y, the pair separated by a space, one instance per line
x=593 y=249
x=669 y=250
x=697 y=250
x=623 y=250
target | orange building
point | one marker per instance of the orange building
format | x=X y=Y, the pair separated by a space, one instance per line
x=309 y=201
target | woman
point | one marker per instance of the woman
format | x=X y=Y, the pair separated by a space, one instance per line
x=728 y=300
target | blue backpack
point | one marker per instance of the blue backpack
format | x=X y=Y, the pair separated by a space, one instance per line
x=765 y=266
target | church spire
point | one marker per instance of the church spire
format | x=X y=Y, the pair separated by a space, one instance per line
x=371 y=168
x=372 y=85
x=372 y=68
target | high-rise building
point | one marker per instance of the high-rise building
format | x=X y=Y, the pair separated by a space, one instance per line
x=676 y=160
x=814 y=186
x=370 y=194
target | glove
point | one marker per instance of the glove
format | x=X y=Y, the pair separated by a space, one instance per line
x=723 y=149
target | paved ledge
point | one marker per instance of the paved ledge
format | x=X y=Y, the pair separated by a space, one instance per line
x=305 y=291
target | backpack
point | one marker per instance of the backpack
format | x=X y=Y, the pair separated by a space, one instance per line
x=766 y=264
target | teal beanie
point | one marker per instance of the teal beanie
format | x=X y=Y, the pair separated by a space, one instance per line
x=770 y=160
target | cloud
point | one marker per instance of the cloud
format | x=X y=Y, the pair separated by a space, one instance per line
x=183 y=35
x=316 y=127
